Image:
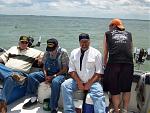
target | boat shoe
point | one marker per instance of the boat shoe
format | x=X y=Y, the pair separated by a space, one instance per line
x=29 y=104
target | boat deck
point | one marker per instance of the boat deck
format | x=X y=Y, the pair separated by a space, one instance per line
x=16 y=107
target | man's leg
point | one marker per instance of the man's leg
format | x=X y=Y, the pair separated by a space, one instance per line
x=116 y=102
x=55 y=91
x=34 y=79
x=8 y=86
x=97 y=95
x=68 y=87
x=5 y=72
x=126 y=99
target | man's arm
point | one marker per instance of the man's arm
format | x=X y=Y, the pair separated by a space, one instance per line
x=4 y=57
x=64 y=62
x=40 y=58
x=75 y=76
x=105 y=51
x=62 y=71
x=1 y=60
x=96 y=77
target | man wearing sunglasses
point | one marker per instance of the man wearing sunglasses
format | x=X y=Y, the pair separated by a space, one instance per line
x=17 y=60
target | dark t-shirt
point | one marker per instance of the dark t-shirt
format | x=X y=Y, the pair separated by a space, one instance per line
x=119 y=46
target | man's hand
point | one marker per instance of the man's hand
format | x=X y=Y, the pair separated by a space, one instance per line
x=87 y=86
x=48 y=79
x=39 y=60
x=80 y=85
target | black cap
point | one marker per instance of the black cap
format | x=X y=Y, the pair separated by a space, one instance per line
x=83 y=36
x=51 y=44
x=24 y=38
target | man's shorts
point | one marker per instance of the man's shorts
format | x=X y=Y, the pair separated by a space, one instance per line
x=118 y=78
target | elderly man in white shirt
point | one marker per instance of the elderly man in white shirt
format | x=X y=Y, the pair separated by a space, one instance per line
x=85 y=69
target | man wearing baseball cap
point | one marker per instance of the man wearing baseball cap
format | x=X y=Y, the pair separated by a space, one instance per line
x=119 y=70
x=118 y=23
x=18 y=61
x=85 y=69
x=55 y=62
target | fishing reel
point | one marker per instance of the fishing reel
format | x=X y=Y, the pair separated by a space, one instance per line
x=140 y=55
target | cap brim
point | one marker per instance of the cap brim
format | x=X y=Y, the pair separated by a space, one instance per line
x=121 y=26
x=24 y=41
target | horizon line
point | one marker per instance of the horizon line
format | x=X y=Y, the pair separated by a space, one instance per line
x=73 y=16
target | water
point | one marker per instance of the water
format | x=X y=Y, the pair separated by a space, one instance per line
x=67 y=29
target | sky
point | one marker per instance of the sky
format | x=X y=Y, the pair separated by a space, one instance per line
x=124 y=9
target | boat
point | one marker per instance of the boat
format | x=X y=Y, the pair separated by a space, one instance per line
x=135 y=106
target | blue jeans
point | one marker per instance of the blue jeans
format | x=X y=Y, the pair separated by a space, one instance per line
x=34 y=79
x=95 y=92
x=8 y=82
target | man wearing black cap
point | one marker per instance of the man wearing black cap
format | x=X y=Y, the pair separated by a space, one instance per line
x=18 y=60
x=85 y=69
x=55 y=62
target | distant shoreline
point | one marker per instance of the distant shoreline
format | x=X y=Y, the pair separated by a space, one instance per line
x=75 y=17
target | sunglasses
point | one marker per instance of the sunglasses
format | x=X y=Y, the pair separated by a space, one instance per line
x=24 y=42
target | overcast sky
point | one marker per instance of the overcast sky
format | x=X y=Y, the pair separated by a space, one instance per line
x=128 y=9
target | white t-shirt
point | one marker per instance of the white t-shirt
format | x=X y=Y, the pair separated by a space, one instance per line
x=92 y=63
x=20 y=60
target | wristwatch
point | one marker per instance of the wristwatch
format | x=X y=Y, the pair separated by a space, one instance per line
x=54 y=75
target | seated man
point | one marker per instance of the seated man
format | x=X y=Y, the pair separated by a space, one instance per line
x=17 y=60
x=85 y=69
x=55 y=62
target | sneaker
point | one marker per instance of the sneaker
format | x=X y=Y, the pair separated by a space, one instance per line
x=124 y=111
x=29 y=104
x=3 y=106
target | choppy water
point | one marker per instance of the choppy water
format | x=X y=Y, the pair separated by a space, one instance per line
x=67 y=29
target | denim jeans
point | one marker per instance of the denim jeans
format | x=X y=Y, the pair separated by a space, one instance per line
x=8 y=82
x=34 y=79
x=96 y=93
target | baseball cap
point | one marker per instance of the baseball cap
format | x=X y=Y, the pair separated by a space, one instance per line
x=51 y=44
x=118 y=23
x=83 y=36
x=24 y=38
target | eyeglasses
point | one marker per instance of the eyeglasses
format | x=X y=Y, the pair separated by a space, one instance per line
x=24 y=42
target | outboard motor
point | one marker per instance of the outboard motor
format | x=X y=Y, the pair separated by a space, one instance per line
x=148 y=54
x=1 y=50
x=31 y=40
x=140 y=55
x=39 y=42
